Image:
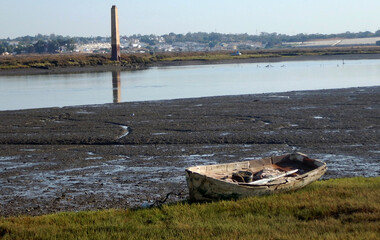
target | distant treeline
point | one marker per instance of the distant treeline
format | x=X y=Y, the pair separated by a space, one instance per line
x=269 y=39
x=56 y=43
x=37 y=44
x=45 y=43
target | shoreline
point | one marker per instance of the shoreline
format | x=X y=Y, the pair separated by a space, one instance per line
x=121 y=155
x=271 y=60
x=108 y=68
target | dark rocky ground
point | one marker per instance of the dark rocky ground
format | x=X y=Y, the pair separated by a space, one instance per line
x=120 y=155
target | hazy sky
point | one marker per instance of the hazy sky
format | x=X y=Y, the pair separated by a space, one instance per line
x=92 y=17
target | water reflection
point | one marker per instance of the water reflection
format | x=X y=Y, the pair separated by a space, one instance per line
x=116 y=86
x=36 y=91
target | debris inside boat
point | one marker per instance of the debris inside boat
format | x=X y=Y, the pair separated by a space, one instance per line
x=251 y=178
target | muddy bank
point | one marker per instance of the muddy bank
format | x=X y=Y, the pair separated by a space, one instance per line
x=120 y=155
x=140 y=66
x=70 y=70
x=269 y=59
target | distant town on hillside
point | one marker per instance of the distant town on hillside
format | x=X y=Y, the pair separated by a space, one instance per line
x=183 y=42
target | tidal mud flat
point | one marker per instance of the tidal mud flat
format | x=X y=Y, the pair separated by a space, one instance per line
x=122 y=155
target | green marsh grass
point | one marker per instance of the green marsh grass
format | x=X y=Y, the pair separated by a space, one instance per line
x=334 y=209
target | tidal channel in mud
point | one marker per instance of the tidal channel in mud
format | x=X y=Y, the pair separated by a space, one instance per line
x=121 y=155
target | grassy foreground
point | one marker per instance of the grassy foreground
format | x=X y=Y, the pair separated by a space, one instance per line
x=334 y=209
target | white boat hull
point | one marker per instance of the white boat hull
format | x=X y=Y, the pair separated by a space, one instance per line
x=211 y=182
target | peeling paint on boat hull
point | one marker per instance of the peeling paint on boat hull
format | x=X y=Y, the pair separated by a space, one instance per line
x=203 y=187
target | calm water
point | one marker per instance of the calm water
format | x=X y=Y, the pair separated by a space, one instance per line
x=24 y=92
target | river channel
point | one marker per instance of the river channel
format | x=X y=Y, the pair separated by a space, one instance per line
x=40 y=91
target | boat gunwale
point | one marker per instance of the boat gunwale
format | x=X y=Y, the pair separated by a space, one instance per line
x=320 y=167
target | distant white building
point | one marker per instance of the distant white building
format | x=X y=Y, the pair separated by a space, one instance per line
x=334 y=42
x=92 y=47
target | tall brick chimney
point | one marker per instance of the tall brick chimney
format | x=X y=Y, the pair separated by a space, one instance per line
x=115 y=38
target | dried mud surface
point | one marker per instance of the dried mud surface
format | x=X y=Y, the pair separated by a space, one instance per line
x=121 y=155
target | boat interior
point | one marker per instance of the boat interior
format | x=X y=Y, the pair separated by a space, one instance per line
x=270 y=168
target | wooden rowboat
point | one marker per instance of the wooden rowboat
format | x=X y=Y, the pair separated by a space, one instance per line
x=253 y=178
